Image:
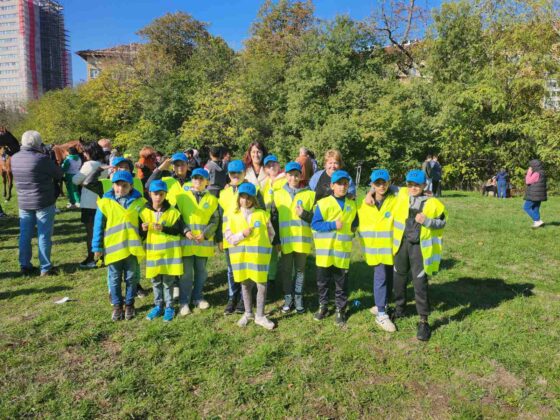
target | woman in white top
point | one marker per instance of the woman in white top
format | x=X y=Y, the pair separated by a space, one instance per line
x=90 y=172
x=253 y=161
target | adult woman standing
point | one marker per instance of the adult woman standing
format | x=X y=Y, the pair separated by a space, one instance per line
x=88 y=176
x=535 y=192
x=320 y=182
x=253 y=161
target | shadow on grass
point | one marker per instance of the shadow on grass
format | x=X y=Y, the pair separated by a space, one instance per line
x=473 y=294
x=454 y=195
x=555 y=223
x=27 y=292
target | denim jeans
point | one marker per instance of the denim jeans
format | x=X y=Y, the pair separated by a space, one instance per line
x=502 y=186
x=44 y=220
x=126 y=268
x=382 y=276
x=163 y=290
x=234 y=289
x=194 y=273
x=532 y=208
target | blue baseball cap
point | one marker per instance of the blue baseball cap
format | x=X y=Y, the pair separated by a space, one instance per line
x=122 y=176
x=119 y=159
x=293 y=166
x=247 y=188
x=200 y=172
x=380 y=174
x=158 y=185
x=270 y=158
x=236 y=166
x=338 y=175
x=416 y=175
x=179 y=156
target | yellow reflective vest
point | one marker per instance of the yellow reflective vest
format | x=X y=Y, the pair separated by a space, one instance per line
x=174 y=188
x=375 y=231
x=250 y=258
x=196 y=216
x=295 y=233
x=270 y=189
x=121 y=237
x=335 y=247
x=108 y=185
x=431 y=240
x=163 y=251
x=228 y=203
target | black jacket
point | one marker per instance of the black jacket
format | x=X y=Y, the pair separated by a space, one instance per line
x=537 y=191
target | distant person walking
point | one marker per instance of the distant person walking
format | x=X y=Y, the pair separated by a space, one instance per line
x=436 y=173
x=502 y=179
x=427 y=169
x=535 y=193
x=35 y=175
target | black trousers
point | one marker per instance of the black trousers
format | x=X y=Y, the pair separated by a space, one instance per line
x=340 y=278
x=409 y=261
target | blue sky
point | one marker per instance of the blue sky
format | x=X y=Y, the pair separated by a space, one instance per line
x=95 y=24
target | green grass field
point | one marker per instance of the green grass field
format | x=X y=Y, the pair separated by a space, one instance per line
x=494 y=351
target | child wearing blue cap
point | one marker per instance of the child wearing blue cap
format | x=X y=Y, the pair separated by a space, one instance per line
x=376 y=236
x=116 y=235
x=163 y=227
x=417 y=245
x=334 y=222
x=177 y=180
x=199 y=209
x=293 y=208
x=249 y=233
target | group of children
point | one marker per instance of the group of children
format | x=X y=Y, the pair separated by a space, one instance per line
x=400 y=232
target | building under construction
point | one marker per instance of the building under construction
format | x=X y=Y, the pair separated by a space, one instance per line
x=34 y=56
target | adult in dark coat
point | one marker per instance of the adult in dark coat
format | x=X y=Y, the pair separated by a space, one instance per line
x=35 y=175
x=535 y=192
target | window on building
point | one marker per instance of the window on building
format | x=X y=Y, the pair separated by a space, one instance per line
x=93 y=73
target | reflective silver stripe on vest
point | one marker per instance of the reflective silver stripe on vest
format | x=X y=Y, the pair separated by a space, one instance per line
x=122 y=245
x=430 y=242
x=249 y=266
x=197 y=227
x=398 y=225
x=188 y=242
x=163 y=246
x=324 y=235
x=396 y=242
x=250 y=249
x=433 y=259
x=294 y=239
x=374 y=235
x=378 y=251
x=119 y=228
x=344 y=238
x=332 y=253
x=225 y=219
x=294 y=223
x=164 y=261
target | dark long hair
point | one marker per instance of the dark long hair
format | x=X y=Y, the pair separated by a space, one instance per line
x=247 y=157
x=94 y=151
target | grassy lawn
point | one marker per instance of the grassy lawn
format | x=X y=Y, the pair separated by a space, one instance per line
x=494 y=350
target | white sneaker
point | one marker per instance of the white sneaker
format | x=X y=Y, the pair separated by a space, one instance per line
x=69 y=206
x=245 y=319
x=537 y=224
x=185 y=310
x=201 y=304
x=385 y=323
x=175 y=293
x=374 y=310
x=264 y=322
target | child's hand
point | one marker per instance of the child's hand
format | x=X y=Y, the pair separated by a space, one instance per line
x=165 y=165
x=145 y=226
x=97 y=255
x=190 y=236
x=420 y=218
x=369 y=198
x=247 y=231
x=158 y=227
x=339 y=224
x=199 y=238
x=299 y=210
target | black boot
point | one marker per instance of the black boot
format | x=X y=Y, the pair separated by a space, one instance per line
x=340 y=317
x=240 y=308
x=230 y=307
x=424 y=332
x=321 y=313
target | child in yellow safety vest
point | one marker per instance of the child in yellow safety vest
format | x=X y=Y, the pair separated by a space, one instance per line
x=116 y=235
x=376 y=236
x=228 y=203
x=417 y=244
x=275 y=179
x=249 y=234
x=164 y=257
x=293 y=208
x=333 y=224
x=177 y=181
x=199 y=210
